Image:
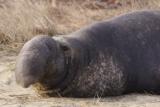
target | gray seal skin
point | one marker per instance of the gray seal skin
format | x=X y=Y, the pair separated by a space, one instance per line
x=106 y=58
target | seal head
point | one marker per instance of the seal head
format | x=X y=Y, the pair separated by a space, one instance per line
x=33 y=60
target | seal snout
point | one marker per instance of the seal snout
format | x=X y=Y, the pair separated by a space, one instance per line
x=25 y=80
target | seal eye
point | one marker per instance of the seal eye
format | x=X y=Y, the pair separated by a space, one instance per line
x=66 y=49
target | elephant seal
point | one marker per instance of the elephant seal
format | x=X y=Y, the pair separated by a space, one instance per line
x=106 y=58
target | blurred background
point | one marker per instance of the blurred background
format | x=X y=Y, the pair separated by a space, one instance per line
x=20 y=20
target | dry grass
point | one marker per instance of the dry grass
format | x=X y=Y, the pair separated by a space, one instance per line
x=20 y=20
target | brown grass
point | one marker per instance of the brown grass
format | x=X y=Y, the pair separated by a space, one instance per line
x=20 y=20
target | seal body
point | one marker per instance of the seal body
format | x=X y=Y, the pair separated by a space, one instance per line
x=110 y=57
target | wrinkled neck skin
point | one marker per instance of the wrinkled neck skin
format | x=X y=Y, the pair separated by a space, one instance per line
x=60 y=72
x=54 y=71
x=83 y=46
